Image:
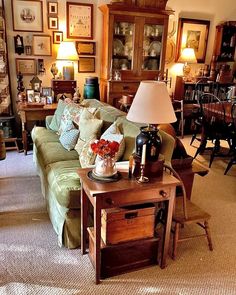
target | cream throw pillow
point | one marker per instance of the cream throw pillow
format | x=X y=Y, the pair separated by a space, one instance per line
x=113 y=134
x=89 y=130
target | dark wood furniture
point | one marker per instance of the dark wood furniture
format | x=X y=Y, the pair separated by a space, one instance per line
x=134 y=43
x=188 y=91
x=63 y=86
x=225 y=41
x=32 y=112
x=122 y=193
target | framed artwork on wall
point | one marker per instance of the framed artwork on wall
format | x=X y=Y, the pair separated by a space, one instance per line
x=52 y=8
x=53 y=22
x=85 y=47
x=193 y=33
x=79 y=18
x=27 y=15
x=42 y=45
x=86 y=65
x=27 y=66
x=57 y=37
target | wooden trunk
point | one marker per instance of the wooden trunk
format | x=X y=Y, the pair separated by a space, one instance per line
x=127 y=223
x=124 y=257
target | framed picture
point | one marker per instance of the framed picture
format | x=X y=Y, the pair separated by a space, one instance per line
x=47 y=91
x=193 y=33
x=27 y=15
x=36 y=84
x=52 y=8
x=85 y=47
x=30 y=95
x=27 y=66
x=57 y=37
x=42 y=45
x=53 y=22
x=86 y=65
x=79 y=18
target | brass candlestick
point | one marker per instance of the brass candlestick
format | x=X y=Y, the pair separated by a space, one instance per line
x=142 y=178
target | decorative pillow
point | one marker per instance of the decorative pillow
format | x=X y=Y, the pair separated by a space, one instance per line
x=87 y=156
x=72 y=113
x=113 y=134
x=69 y=137
x=56 y=119
x=89 y=129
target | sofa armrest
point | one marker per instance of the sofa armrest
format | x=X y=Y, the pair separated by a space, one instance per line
x=48 y=121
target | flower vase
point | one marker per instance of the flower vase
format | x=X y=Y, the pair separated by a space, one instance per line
x=105 y=167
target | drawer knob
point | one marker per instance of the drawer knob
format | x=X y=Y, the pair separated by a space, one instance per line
x=126 y=87
x=163 y=193
x=109 y=201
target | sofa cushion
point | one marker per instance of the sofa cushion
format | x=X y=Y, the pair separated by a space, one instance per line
x=130 y=131
x=51 y=152
x=56 y=120
x=64 y=182
x=41 y=135
x=87 y=156
x=69 y=137
x=113 y=134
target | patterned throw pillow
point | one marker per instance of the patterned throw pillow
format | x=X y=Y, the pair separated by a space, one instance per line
x=89 y=130
x=113 y=134
x=56 y=119
x=72 y=113
x=69 y=137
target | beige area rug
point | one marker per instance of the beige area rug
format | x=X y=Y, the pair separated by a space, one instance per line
x=32 y=263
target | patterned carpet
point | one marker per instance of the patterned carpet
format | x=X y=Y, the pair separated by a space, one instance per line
x=32 y=263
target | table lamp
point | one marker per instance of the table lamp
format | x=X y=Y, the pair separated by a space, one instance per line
x=151 y=105
x=67 y=52
x=187 y=56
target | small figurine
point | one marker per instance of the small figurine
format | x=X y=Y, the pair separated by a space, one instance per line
x=54 y=70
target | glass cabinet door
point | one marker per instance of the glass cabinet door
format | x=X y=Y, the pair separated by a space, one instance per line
x=152 y=47
x=122 y=49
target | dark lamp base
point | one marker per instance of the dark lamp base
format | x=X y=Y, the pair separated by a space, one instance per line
x=149 y=136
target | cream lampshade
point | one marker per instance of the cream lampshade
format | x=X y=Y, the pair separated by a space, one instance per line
x=67 y=52
x=187 y=57
x=151 y=105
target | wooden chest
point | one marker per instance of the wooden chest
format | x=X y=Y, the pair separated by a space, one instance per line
x=124 y=257
x=127 y=223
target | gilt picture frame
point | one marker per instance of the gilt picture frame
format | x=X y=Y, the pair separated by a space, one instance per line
x=86 y=65
x=193 y=33
x=42 y=45
x=79 y=19
x=27 y=15
x=27 y=66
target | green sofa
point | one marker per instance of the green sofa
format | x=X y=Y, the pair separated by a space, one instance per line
x=57 y=169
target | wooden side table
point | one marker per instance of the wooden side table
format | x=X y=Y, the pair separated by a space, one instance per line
x=33 y=112
x=122 y=193
x=63 y=86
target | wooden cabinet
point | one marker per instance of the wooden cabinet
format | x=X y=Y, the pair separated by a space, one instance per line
x=225 y=41
x=63 y=86
x=134 y=42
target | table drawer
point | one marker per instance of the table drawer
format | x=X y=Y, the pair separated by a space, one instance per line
x=123 y=198
x=124 y=86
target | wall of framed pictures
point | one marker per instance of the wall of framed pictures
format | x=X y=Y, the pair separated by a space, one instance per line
x=5 y=96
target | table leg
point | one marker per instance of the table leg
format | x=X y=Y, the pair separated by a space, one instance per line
x=24 y=138
x=167 y=229
x=97 y=248
x=84 y=219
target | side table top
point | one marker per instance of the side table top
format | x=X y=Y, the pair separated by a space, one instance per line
x=124 y=184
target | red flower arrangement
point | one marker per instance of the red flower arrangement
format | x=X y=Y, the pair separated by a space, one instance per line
x=105 y=148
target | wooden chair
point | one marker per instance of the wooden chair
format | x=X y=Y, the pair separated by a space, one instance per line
x=186 y=212
x=232 y=128
x=214 y=125
x=178 y=106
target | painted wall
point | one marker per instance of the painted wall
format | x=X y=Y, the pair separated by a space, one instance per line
x=215 y=11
